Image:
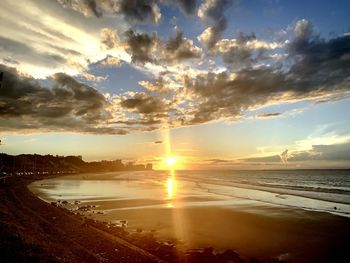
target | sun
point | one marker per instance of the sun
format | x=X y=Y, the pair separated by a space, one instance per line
x=170 y=160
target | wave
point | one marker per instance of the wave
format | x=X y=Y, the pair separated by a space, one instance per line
x=332 y=200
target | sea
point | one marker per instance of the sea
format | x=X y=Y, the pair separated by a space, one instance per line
x=313 y=190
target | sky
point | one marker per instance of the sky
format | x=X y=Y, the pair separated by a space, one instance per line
x=219 y=84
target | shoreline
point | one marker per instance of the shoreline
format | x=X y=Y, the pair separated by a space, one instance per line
x=33 y=231
x=59 y=220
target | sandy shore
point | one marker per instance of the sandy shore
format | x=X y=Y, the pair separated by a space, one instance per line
x=35 y=231
x=263 y=232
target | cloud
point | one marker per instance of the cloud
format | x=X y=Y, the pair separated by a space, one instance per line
x=132 y=10
x=159 y=86
x=182 y=92
x=19 y=51
x=245 y=50
x=219 y=161
x=180 y=48
x=148 y=48
x=91 y=77
x=141 y=46
x=139 y=10
x=319 y=62
x=145 y=124
x=61 y=41
x=109 y=38
x=68 y=105
x=209 y=96
x=223 y=95
x=214 y=11
x=143 y=103
x=110 y=61
x=303 y=30
x=86 y=7
x=329 y=153
x=158 y=142
x=188 y=6
x=334 y=152
x=268 y=115
x=212 y=34
x=320 y=69
x=264 y=159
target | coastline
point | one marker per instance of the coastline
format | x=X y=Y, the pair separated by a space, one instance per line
x=35 y=231
x=57 y=235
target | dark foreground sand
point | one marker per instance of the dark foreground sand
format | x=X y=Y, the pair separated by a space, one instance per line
x=301 y=236
x=34 y=231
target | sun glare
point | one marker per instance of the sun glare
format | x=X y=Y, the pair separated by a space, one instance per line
x=170 y=160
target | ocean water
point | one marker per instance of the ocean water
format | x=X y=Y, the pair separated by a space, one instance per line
x=316 y=190
x=320 y=190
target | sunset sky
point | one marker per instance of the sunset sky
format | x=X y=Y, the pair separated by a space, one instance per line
x=238 y=84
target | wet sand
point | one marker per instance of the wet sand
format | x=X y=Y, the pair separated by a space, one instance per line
x=296 y=235
x=35 y=231
x=263 y=232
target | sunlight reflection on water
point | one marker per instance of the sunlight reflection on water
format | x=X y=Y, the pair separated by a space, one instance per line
x=171 y=188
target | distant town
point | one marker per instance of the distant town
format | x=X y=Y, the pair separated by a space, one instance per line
x=35 y=164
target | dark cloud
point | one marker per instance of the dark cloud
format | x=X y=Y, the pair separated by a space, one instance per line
x=180 y=48
x=141 y=46
x=68 y=106
x=219 y=95
x=335 y=152
x=158 y=142
x=145 y=47
x=212 y=34
x=268 y=115
x=214 y=11
x=239 y=54
x=132 y=10
x=187 y=6
x=319 y=62
x=148 y=121
x=145 y=104
x=321 y=68
x=139 y=10
x=92 y=5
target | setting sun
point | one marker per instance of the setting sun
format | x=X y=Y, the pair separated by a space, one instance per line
x=170 y=160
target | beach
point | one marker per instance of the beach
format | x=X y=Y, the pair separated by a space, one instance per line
x=180 y=211
x=35 y=231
